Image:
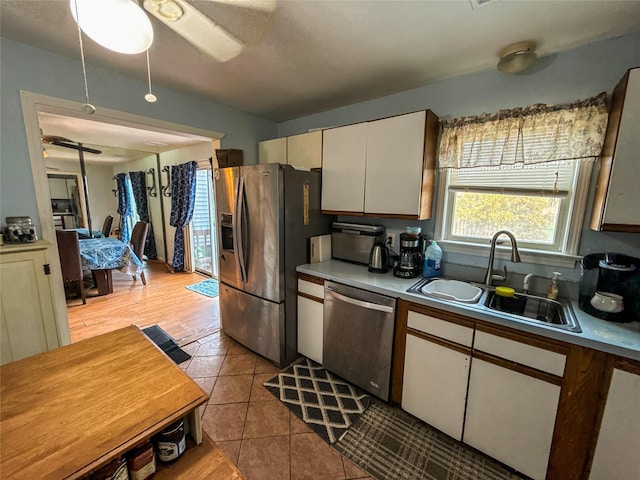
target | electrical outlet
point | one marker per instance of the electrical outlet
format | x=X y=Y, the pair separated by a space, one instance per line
x=391 y=240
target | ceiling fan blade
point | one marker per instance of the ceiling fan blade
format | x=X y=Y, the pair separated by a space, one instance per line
x=195 y=27
x=263 y=5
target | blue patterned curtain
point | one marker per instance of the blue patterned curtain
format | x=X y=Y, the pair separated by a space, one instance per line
x=183 y=196
x=139 y=187
x=125 y=205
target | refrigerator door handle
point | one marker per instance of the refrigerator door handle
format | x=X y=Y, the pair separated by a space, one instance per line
x=239 y=232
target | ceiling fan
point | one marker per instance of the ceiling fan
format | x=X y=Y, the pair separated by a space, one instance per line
x=199 y=29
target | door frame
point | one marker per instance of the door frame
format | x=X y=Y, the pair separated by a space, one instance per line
x=32 y=103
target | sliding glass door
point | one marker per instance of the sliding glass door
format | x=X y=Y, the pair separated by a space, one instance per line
x=203 y=228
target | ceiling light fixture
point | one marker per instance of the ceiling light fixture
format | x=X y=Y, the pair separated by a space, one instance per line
x=119 y=25
x=517 y=57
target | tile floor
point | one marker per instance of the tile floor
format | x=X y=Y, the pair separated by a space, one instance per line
x=258 y=433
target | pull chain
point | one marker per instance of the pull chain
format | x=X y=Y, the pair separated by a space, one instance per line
x=149 y=97
x=87 y=106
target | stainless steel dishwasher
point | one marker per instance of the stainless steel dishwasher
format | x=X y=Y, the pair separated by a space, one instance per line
x=358 y=337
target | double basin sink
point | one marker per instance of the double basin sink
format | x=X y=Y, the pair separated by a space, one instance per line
x=523 y=307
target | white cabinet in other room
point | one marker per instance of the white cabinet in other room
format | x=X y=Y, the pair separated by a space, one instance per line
x=381 y=168
x=511 y=407
x=27 y=315
x=310 y=317
x=618 y=446
x=617 y=193
x=436 y=372
x=300 y=151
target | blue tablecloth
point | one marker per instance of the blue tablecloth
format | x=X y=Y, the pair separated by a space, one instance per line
x=107 y=253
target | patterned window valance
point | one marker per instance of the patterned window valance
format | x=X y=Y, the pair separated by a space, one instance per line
x=525 y=136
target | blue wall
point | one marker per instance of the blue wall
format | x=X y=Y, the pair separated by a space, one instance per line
x=38 y=71
x=561 y=78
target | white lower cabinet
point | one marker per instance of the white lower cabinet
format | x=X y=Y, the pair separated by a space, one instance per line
x=27 y=315
x=310 y=319
x=435 y=384
x=617 y=454
x=511 y=416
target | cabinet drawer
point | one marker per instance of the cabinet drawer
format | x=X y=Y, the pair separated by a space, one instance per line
x=310 y=288
x=515 y=351
x=440 y=328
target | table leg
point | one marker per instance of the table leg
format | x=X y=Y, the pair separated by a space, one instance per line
x=104 y=281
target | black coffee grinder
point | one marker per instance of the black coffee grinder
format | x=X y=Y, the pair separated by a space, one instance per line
x=411 y=255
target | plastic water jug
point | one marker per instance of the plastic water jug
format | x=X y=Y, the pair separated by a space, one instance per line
x=432 y=261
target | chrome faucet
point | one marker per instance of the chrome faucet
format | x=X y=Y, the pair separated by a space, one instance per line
x=515 y=257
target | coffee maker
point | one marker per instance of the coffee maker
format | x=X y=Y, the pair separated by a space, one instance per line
x=610 y=286
x=411 y=254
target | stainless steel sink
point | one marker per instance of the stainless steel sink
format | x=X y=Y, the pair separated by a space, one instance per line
x=533 y=309
x=556 y=313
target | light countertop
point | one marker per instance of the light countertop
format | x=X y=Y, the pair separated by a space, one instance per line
x=617 y=338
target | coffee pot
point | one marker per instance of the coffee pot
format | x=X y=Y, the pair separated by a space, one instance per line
x=411 y=254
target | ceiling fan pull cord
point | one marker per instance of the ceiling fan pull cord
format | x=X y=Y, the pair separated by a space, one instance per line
x=88 y=106
x=149 y=97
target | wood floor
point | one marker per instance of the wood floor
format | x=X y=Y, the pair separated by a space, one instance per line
x=164 y=301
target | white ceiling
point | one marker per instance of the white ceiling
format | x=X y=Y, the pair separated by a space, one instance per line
x=310 y=56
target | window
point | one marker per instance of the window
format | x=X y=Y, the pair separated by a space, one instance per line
x=525 y=170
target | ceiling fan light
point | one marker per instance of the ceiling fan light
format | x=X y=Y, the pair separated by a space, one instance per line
x=119 y=25
x=168 y=9
x=517 y=57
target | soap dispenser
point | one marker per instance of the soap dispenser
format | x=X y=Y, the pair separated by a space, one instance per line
x=553 y=287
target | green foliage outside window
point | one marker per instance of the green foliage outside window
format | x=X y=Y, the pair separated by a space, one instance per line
x=529 y=218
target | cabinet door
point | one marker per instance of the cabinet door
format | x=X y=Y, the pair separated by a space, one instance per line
x=617 y=192
x=395 y=154
x=344 y=151
x=510 y=417
x=435 y=384
x=616 y=454
x=273 y=151
x=27 y=315
x=310 y=328
x=58 y=188
x=305 y=150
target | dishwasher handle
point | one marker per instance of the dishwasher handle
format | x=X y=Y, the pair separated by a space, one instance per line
x=360 y=303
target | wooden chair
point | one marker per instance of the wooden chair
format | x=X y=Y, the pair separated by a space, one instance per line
x=106 y=227
x=69 y=251
x=138 y=238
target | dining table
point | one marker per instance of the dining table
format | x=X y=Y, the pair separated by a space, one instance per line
x=102 y=255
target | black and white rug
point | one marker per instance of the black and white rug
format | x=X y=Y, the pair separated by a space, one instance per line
x=323 y=401
x=390 y=444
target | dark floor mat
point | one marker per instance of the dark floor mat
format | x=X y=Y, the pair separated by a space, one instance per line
x=167 y=344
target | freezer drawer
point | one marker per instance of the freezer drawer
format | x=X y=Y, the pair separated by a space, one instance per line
x=358 y=337
x=256 y=323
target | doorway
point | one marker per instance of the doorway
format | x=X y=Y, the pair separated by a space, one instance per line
x=32 y=105
x=203 y=227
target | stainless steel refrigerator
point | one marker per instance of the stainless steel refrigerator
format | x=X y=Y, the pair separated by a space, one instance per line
x=266 y=215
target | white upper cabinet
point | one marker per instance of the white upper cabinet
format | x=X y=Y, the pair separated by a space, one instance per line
x=617 y=193
x=300 y=151
x=344 y=153
x=305 y=150
x=273 y=151
x=381 y=168
x=395 y=152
